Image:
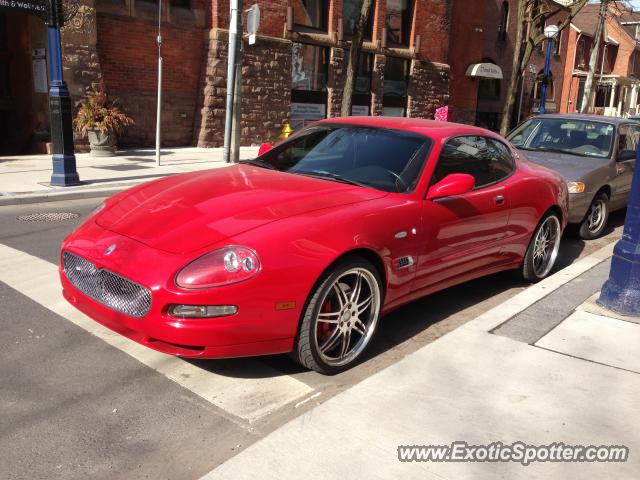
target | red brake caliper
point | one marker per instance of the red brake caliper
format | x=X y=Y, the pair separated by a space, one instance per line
x=323 y=327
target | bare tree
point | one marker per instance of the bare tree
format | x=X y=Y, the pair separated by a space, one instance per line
x=593 y=58
x=537 y=19
x=354 y=55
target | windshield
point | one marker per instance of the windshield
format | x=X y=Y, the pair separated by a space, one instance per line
x=388 y=160
x=575 y=137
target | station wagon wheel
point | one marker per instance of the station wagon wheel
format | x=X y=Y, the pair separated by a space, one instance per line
x=595 y=222
x=340 y=318
x=543 y=249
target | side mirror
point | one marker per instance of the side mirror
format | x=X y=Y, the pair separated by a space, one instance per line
x=626 y=155
x=264 y=148
x=453 y=184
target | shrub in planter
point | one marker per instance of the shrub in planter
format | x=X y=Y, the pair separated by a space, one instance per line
x=101 y=121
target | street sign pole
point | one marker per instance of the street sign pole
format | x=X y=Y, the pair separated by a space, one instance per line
x=236 y=6
x=64 y=159
x=621 y=293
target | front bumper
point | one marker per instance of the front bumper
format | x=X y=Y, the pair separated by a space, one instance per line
x=256 y=329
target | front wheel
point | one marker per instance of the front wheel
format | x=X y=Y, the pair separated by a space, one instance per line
x=543 y=249
x=340 y=317
x=595 y=222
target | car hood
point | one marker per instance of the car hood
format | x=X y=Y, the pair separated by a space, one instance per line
x=188 y=212
x=571 y=167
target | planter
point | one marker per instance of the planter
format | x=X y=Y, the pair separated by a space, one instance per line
x=102 y=145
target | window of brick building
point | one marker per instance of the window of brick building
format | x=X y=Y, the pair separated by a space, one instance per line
x=396 y=86
x=309 y=71
x=310 y=14
x=398 y=21
x=350 y=13
x=362 y=91
x=504 y=22
x=186 y=4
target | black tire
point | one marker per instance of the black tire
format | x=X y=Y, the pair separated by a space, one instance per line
x=592 y=228
x=531 y=270
x=306 y=350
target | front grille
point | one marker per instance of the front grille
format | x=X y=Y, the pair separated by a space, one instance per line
x=106 y=287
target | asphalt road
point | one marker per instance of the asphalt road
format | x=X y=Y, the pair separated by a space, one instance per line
x=76 y=403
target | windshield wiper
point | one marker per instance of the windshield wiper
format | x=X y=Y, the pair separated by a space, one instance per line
x=558 y=150
x=330 y=176
x=258 y=163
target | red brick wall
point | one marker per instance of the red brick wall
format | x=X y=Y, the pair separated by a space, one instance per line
x=467 y=24
x=128 y=55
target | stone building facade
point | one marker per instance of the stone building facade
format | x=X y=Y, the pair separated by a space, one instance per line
x=293 y=73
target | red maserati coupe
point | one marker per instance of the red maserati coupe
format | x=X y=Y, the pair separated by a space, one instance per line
x=302 y=249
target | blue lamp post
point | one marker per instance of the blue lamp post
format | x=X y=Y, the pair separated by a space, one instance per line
x=64 y=159
x=550 y=32
x=621 y=293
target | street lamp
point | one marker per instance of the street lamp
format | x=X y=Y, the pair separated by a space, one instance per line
x=64 y=159
x=621 y=293
x=550 y=32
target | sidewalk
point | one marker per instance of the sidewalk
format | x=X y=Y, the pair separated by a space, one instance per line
x=546 y=366
x=25 y=179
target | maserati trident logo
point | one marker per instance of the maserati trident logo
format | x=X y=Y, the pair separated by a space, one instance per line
x=110 y=249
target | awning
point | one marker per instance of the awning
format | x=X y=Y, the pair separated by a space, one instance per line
x=485 y=70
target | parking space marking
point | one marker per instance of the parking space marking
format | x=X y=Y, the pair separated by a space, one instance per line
x=249 y=397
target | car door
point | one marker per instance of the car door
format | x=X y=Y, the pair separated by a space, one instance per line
x=464 y=233
x=625 y=162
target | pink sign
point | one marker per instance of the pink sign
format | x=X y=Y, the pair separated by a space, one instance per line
x=442 y=114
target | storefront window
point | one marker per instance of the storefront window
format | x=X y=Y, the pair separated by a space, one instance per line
x=396 y=84
x=398 y=21
x=350 y=13
x=309 y=68
x=310 y=14
x=186 y=4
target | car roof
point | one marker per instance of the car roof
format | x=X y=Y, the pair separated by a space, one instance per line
x=594 y=118
x=431 y=128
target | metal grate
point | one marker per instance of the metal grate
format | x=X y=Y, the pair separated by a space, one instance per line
x=106 y=287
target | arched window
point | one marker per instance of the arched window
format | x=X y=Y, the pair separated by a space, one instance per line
x=504 y=22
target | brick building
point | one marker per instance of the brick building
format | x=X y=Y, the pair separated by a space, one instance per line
x=293 y=73
x=617 y=73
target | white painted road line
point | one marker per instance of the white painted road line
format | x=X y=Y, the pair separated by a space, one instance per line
x=247 y=398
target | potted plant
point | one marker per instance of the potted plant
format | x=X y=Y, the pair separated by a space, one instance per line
x=101 y=121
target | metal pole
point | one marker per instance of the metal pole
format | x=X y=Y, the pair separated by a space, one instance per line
x=237 y=113
x=522 y=86
x=231 y=78
x=64 y=159
x=547 y=69
x=159 y=108
x=621 y=293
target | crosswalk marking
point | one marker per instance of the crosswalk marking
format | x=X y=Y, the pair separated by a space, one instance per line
x=247 y=398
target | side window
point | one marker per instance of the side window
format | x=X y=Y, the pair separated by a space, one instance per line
x=501 y=160
x=465 y=155
x=627 y=142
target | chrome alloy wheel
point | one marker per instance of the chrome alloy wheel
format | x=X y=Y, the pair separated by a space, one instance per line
x=546 y=246
x=347 y=317
x=596 y=216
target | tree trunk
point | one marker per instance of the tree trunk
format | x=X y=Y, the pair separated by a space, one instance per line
x=593 y=59
x=512 y=89
x=354 y=55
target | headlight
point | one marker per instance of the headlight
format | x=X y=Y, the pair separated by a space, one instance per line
x=576 y=187
x=223 y=266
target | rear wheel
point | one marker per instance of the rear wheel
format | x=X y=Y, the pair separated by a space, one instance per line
x=595 y=222
x=340 y=317
x=543 y=249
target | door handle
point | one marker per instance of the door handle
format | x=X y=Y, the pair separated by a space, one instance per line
x=499 y=199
